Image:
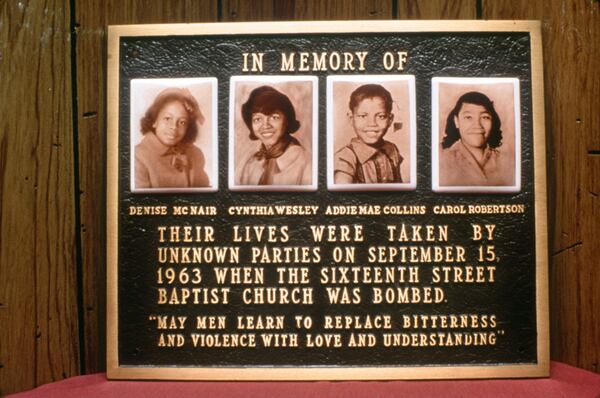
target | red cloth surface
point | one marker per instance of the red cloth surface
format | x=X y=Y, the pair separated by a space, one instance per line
x=565 y=381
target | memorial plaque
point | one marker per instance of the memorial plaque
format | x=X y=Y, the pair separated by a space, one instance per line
x=327 y=201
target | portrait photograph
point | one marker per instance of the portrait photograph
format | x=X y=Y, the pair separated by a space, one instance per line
x=476 y=135
x=371 y=133
x=174 y=135
x=273 y=130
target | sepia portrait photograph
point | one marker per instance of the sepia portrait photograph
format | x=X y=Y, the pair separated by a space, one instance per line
x=476 y=143
x=371 y=133
x=273 y=133
x=174 y=135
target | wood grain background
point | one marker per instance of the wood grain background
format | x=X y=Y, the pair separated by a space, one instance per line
x=53 y=151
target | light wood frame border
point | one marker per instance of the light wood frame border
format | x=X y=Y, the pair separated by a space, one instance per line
x=541 y=369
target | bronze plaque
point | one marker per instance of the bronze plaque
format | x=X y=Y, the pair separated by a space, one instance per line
x=327 y=200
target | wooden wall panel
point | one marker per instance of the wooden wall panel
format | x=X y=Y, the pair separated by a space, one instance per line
x=342 y=10
x=571 y=61
x=437 y=9
x=38 y=279
x=39 y=340
x=258 y=10
x=92 y=18
x=273 y=10
x=589 y=334
x=518 y=9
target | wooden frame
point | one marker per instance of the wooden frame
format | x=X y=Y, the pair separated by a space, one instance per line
x=334 y=372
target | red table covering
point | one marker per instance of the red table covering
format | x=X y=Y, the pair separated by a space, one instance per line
x=565 y=381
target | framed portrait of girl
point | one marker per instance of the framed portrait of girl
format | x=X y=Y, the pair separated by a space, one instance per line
x=476 y=135
x=371 y=133
x=174 y=135
x=273 y=133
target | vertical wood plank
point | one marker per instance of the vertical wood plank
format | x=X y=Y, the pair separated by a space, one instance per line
x=437 y=9
x=342 y=10
x=572 y=59
x=258 y=10
x=273 y=10
x=38 y=276
x=91 y=127
x=590 y=277
x=92 y=17
x=519 y=9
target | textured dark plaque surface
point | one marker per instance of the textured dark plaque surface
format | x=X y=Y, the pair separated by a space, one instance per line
x=481 y=317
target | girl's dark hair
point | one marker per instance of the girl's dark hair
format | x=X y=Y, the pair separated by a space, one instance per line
x=183 y=96
x=371 y=91
x=267 y=100
x=476 y=98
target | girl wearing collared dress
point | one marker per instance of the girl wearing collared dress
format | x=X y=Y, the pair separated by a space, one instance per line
x=167 y=157
x=368 y=158
x=469 y=153
x=279 y=159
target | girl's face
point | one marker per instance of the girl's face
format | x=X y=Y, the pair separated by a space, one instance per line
x=474 y=124
x=370 y=120
x=268 y=128
x=171 y=123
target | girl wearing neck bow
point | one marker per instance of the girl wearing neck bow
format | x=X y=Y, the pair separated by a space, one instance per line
x=280 y=158
x=167 y=156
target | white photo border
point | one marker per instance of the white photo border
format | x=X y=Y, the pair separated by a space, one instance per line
x=214 y=141
x=435 y=134
x=273 y=79
x=411 y=185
